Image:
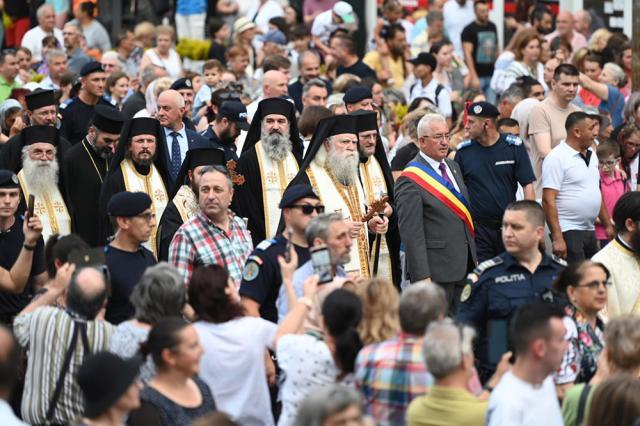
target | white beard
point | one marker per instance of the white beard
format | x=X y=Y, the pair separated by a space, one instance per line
x=344 y=168
x=276 y=146
x=41 y=176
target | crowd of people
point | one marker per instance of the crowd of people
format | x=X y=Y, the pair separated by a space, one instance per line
x=264 y=212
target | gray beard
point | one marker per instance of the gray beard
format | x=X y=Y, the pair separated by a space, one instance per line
x=276 y=146
x=344 y=168
x=41 y=176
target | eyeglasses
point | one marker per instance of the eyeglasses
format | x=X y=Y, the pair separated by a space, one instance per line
x=440 y=136
x=608 y=163
x=307 y=209
x=594 y=285
x=147 y=216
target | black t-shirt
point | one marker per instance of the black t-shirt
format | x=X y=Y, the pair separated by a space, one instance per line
x=261 y=278
x=485 y=46
x=76 y=117
x=360 y=69
x=125 y=269
x=403 y=157
x=11 y=242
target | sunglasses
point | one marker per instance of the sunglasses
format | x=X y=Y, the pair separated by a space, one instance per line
x=307 y=209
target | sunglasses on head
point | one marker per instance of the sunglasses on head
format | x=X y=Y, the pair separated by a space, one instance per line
x=307 y=209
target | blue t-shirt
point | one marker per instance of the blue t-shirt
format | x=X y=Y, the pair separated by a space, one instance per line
x=191 y=7
x=491 y=174
x=614 y=105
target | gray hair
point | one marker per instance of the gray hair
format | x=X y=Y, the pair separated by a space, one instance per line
x=420 y=305
x=514 y=93
x=444 y=345
x=218 y=169
x=314 y=82
x=631 y=106
x=41 y=10
x=303 y=56
x=433 y=16
x=76 y=25
x=424 y=125
x=160 y=293
x=324 y=402
x=395 y=96
x=55 y=53
x=148 y=74
x=319 y=227
x=617 y=72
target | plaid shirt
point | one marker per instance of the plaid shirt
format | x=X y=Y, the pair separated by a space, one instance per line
x=200 y=242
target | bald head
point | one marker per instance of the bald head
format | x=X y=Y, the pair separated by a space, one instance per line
x=564 y=23
x=274 y=84
x=171 y=108
x=87 y=292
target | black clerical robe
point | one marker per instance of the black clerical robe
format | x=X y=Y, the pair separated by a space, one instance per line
x=84 y=173
x=181 y=209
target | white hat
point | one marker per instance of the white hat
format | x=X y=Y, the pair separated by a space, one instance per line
x=345 y=12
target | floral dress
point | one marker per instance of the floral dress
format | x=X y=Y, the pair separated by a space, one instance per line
x=585 y=344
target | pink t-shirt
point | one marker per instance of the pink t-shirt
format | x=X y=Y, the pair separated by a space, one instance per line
x=612 y=189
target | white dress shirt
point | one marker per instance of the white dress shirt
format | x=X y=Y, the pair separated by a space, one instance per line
x=436 y=166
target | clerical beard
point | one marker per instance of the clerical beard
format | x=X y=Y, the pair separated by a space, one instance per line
x=276 y=145
x=41 y=176
x=344 y=165
x=144 y=162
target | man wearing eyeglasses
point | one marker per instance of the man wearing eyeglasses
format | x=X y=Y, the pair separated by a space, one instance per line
x=261 y=278
x=492 y=165
x=134 y=220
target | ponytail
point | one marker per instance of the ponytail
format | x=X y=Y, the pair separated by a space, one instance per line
x=342 y=312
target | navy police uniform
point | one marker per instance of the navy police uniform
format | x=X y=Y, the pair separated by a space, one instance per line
x=261 y=278
x=494 y=290
x=491 y=175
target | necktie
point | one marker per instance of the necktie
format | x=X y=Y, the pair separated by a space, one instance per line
x=445 y=175
x=176 y=162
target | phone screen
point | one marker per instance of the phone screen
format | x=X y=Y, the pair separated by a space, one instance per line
x=321 y=261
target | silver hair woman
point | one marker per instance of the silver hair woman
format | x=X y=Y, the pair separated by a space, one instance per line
x=330 y=405
x=160 y=293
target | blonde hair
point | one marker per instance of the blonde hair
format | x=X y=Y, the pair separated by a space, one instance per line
x=166 y=30
x=380 y=320
x=600 y=34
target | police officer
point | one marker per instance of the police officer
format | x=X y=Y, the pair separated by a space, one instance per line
x=184 y=86
x=261 y=278
x=497 y=287
x=492 y=165
x=77 y=115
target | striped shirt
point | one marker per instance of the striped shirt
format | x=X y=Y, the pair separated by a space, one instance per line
x=201 y=242
x=46 y=333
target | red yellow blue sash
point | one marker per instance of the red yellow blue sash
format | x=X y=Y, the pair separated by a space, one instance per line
x=425 y=177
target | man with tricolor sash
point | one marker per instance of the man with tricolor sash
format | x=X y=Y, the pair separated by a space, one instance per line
x=433 y=214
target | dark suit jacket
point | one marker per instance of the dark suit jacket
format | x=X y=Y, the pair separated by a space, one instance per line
x=193 y=138
x=437 y=243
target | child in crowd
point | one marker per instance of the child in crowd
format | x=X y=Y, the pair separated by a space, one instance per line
x=212 y=71
x=612 y=183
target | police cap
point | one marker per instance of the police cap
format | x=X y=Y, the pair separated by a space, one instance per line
x=90 y=68
x=182 y=83
x=128 y=204
x=357 y=94
x=295 y=193
x=483 y=109
x=8 y=179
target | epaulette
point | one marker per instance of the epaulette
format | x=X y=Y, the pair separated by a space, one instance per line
x=64 y=105
x=559 y=260
x=265 y=244
x=513 y=140
x=464 y=144
x=487 y=264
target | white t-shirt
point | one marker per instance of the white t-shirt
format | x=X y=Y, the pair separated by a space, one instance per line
x=173 y=65
x=308 y=364
x=457 y=17
x=517 y=403
x=323 y=26
x=32 y=40
x=233 y=366
x=261 y=15
x=443 y=100
x=578 y=187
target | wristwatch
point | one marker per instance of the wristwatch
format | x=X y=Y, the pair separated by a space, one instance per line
x=28 y=247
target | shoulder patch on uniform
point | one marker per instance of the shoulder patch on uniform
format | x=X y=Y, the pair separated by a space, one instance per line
x=256 y=259
x=463 y=144
x=63 y=105
x=265 y=244
x=513 y=140
x=250 y=271
x=559 y=260
x=487 y=264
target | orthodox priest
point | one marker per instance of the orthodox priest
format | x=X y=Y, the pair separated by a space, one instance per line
x=39 y=177
x=331 y=168
x=184 y=201
x=139 y=165
x=377 y=181
x=270 y=159
x=85 y=168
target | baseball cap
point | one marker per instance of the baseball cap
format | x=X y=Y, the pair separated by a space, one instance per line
x=345 y=12
x=235 y=111
x=275 y=36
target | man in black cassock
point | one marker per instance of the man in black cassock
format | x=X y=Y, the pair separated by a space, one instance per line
x=85 y=168
x=184 y=201
x=270 y=159
x=139 y=165
x=376 y=179
x=42 y=110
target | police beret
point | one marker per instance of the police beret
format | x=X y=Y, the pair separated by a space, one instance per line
x=40 y=98
x=483 y=109
x=108 y=119
x=8 y=179
x=128 y=204
x=182 y=83
x=356 y=94
x=90 y=68
x=295 y=193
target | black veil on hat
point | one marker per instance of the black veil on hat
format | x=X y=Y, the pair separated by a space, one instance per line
x=142 y=126
x=199 y=155
x=274 y=106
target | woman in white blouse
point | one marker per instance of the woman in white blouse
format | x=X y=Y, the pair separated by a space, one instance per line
x=527 y=60
x=163 y=55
